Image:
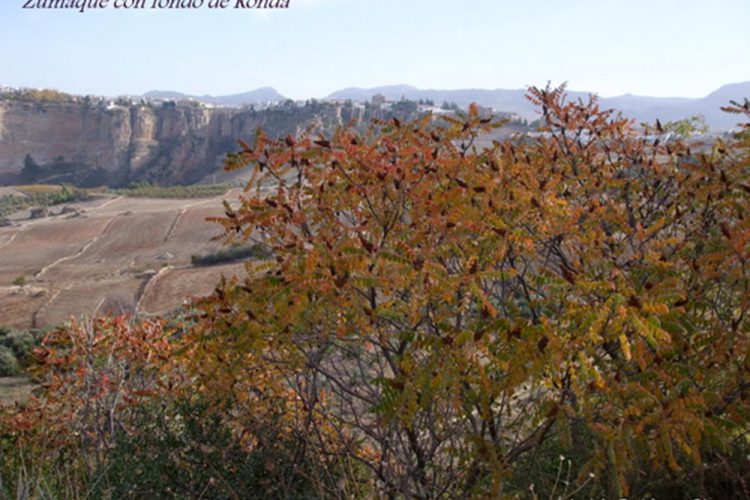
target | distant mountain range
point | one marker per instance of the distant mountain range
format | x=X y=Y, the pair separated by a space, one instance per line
x=642 y=108
x=263 y=94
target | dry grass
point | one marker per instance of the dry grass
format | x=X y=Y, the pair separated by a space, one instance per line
x=35 y=247
x=116 y=295
x=173 y=286
x=107 y=255
x=14 y=390
x=39 y=188
x=20 y=305
x=10 y=191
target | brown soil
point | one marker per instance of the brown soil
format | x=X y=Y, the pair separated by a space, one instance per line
x=108 y=260
x=185 y=283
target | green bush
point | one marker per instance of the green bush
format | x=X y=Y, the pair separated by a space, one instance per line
x=19 y=342
x=12 y=203
x=186 y=452
x=8 y=362
x=560 y=468
x=230 y=254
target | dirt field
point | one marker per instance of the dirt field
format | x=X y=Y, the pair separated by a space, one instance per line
x=193 y=282
x=14 y=390
x=9 y=191
x=116 y=254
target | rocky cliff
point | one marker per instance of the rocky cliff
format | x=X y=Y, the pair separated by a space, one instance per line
x=86 y=143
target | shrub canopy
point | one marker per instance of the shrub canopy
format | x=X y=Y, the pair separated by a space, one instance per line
x=437 y=309
x=433 y=311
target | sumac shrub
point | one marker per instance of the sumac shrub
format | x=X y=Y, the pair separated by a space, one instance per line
x=438 y=310
x=442 y=320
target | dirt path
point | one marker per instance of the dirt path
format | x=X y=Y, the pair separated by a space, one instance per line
x=24 y=225
x=174 y=224
x=72 y=278
x=35 y=317
x=181 y=213
x=78 y=253
x=147 y=286
x=10 y=240
x=186 y=208
x=109 y=202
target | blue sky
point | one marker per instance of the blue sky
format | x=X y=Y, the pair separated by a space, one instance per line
x=655 y=47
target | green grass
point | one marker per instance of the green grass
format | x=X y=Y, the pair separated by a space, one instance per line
x=146 y=190
x=39 y=196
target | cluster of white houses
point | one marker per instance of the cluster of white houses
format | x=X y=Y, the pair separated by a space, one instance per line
x=378 y=100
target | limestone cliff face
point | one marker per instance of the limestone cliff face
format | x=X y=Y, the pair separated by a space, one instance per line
x=46 y=131
x=170 y=142
x=166 y=143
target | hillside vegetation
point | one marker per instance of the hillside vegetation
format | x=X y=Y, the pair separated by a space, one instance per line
x=148 y=190
x=562 y=316
x=38 y=196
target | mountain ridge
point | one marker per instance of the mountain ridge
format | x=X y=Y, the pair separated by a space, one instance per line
x=641 y=108
x=256 y=96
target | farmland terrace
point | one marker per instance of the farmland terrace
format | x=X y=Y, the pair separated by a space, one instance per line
x=110 y=254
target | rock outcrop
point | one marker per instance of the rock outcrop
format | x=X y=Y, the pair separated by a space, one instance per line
x=97 y=143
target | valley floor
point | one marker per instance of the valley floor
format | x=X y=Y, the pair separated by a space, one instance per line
x=110 y=254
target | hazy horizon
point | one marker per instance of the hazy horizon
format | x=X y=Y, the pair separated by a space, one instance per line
x=673 y=49
x=369 y=87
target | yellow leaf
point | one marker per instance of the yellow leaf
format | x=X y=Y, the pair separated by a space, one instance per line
x=625 y=346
